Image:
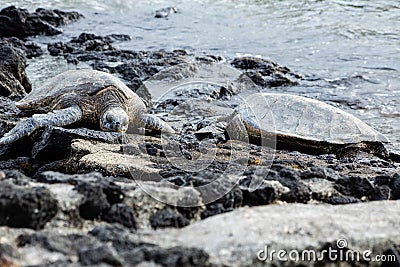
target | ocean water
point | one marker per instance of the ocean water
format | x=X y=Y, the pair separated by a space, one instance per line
x=348 y=51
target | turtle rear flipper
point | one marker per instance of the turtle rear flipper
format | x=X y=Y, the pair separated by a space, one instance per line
x=59 y=117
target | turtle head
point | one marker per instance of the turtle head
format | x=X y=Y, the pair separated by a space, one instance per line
x=114 y=119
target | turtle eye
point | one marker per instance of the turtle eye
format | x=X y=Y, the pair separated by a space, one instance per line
x=109 y=118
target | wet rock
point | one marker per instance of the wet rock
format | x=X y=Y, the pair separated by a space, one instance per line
x=29 y=49
x=168 y=217
x=210 y=58
x=20 y=23
x=86 y=42
x=265 y=73
x=165 y=12
x=13 y=79
x=57 y=17
x=30 y=207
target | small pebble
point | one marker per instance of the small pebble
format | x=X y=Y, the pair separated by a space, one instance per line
x=2 y=175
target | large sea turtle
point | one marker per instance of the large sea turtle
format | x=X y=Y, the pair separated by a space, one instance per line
x=298 y=123
x=283 y=121
x=86 y=98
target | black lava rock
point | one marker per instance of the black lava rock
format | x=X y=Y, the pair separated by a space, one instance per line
x=28 y=207
x=30 y=49
x=13 y=79
x=290 y=178
x=120 y=213
x=263 y=195
x=89 y=256
x=20 y=23
x=86 y=42
x=392 y=181
x=179 y=256
x=57 y=17
x=265 y=73
x=361 y=188
x=98 y=198
x=134 y=252
x=168 y=217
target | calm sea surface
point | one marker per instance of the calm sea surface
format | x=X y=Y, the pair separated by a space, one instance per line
x=349 y=51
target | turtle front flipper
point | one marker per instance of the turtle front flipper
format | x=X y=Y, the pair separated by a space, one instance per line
x=155 y=123
x=60 y=117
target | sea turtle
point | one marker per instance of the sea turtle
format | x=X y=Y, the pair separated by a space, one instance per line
x=299 y=123
x=283 y=121
x=88 y=98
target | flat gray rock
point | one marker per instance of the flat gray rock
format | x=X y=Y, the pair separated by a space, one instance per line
x=235 y=238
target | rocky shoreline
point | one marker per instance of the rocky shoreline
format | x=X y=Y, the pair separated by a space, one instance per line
x=80 y=197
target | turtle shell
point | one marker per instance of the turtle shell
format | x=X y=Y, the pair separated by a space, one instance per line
x=300 y=122
x=74 y=82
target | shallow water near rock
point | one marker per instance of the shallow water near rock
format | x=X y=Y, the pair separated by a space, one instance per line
x=348 y=51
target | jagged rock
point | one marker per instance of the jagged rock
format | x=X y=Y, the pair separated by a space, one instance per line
x=30 y=207
x=94 y=202
x=86 y=42
x=168 y=217
x=265 y=73
x=20 y=23
x=266 y=193
x=13 y=79
x=57 y=17
x=120 y=213
x=361 y=188
x=30 y=49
